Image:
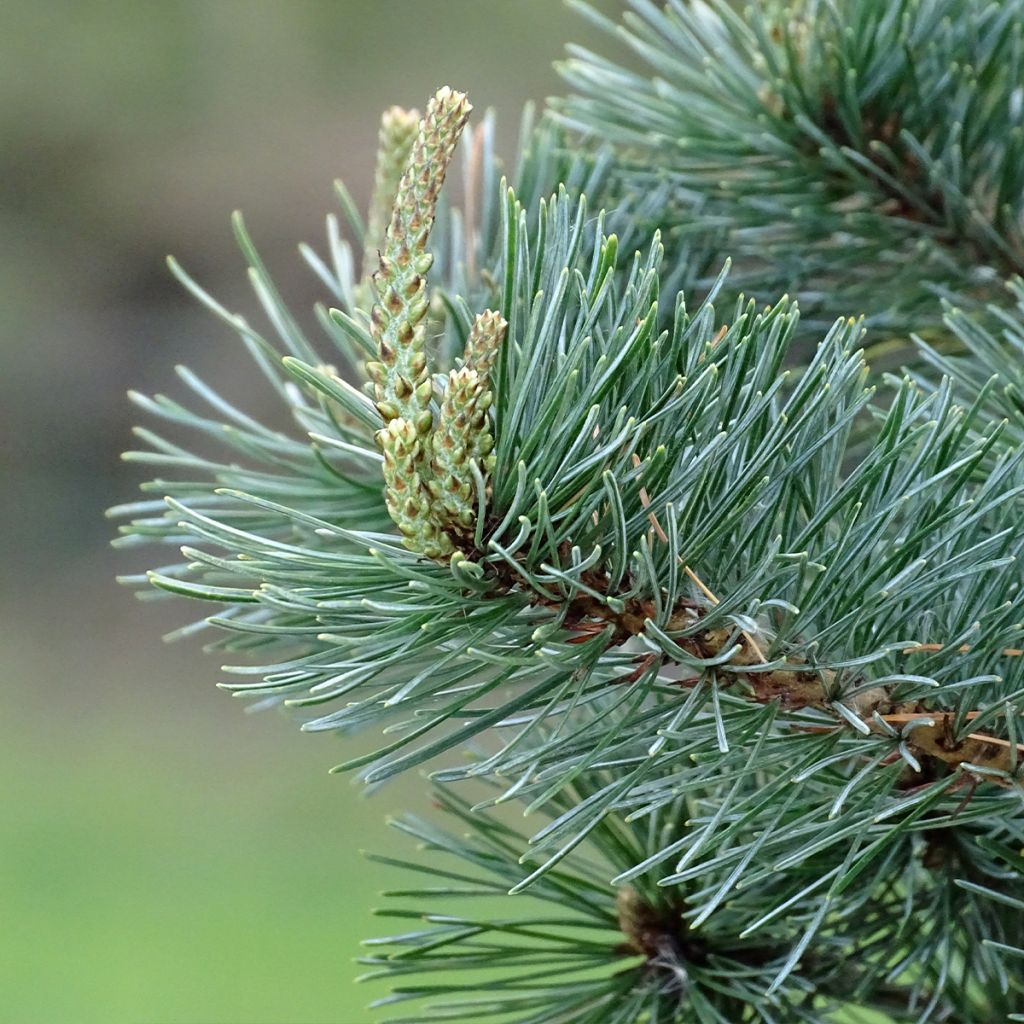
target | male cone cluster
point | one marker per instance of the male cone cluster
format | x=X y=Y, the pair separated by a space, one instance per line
x=430 y=487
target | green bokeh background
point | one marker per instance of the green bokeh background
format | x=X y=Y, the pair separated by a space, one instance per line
x=163 y=856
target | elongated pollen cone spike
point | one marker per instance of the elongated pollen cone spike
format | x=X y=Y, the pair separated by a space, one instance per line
x=463 y=433
x=399 y=283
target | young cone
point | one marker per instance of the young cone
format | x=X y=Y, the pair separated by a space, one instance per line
x=401 y=377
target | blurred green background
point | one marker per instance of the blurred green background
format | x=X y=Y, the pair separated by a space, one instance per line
x=164 y=857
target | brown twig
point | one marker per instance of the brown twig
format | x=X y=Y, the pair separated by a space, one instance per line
x=1009 y=652
x=946 y=717
x=702 y=586
x=800 y=685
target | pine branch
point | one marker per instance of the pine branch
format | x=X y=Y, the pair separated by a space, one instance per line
x=741 y=630
x=836 y=569
x=575 y=949
x=988 y=365
x=858 y=154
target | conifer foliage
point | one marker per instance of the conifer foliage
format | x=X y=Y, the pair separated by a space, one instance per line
x=831 y=146
x=710 y=635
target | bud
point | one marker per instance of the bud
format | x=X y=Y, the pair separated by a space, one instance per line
x=398 y=129
x=484 y=341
